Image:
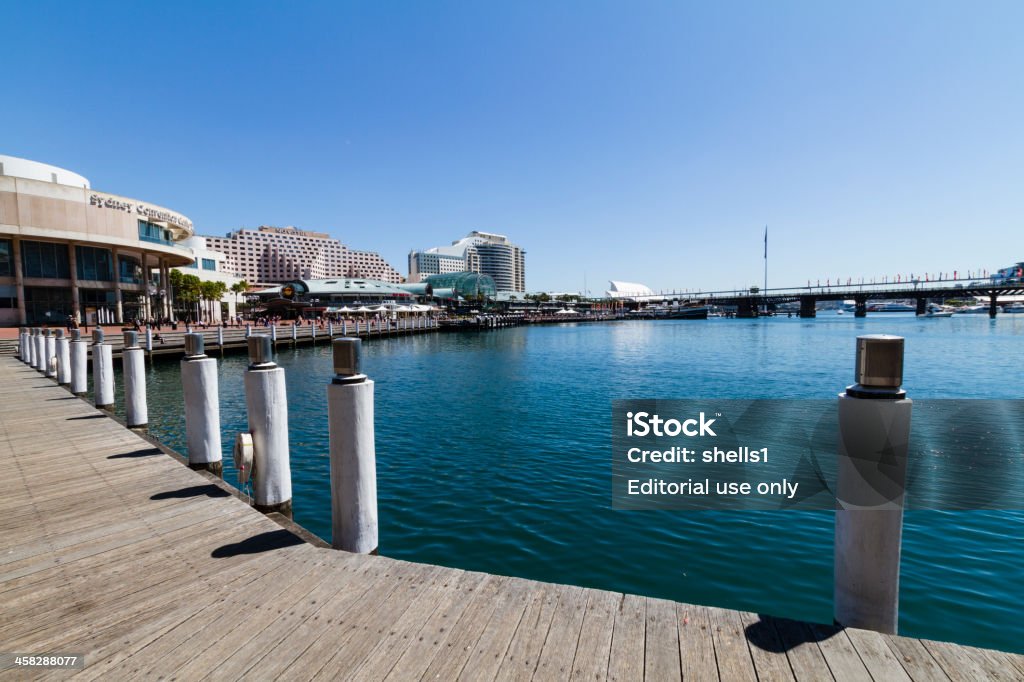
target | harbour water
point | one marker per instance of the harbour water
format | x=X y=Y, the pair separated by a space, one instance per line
x=494 y=454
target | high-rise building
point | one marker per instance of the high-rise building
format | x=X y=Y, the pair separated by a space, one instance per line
x=482 y=252
x=282 y=254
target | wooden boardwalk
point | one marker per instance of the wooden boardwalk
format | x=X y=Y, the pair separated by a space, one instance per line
x=115 y=551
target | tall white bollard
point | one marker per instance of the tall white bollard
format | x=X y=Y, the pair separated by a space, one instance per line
x=273 y=334
x=63 y=359
x=149 y=340
x=248 y=330
x=102 y=371
x=30 y=346
x=39 y=351
x=353 y=452
x=874 y=432
x=312 y=331
x=344 y=327
x=330 y=330
x=266 y=403
x=200 y=390
x=50 y=354
x=79 y=363
x=133 y=363
x=21 y=344
x=295 y=333
x=220 y=337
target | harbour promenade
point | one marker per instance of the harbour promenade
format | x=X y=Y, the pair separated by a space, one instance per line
x=115 y=551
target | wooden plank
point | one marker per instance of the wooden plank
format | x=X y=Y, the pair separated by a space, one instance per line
x=555 y=661
x=111 y=658
x=234 y=635
x=696 y=642
x=731 y=650
x=193 y=643
x=920 y=665
x=595 y=641
x=805 y=657
x=336 y=624
x=839 y=653
x=420 y=631
x=965 y=663
x=451 y=654
x=878 y=658
x=353 y=594
x=520 y=655
x=661 y=645
x=487 y=652
x=766 y=650
x=626 y=659
x=346 y=644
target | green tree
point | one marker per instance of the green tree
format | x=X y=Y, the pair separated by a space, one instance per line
x=238 y=288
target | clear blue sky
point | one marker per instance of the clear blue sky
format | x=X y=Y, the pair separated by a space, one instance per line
x=643 y=141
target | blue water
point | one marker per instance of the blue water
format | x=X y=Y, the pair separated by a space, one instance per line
x=493 y=453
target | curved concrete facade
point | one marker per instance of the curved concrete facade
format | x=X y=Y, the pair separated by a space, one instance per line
x=66 y=249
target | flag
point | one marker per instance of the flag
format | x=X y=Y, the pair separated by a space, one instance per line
x=766 y=242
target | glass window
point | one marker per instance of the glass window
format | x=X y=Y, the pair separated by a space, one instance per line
x=209 y=264
x=45 y=259
x=6 y=264
x=148 y=232
x=44 y=305
x=94 y=264
x=129 y=270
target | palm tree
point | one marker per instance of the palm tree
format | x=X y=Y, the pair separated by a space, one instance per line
x=237 y=288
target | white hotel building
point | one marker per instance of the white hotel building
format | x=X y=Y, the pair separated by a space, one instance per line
x=481 y=252
x=284 y=254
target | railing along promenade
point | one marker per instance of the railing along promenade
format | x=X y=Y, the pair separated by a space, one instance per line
x=136 y=567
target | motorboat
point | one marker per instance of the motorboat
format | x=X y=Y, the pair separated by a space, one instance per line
x=891 y=307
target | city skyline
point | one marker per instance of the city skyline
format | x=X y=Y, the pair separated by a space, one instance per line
x=644 y=143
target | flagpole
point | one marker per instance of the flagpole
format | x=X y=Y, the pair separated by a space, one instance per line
x=765 y=268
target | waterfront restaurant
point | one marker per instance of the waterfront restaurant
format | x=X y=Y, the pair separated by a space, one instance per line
x=313 y=297
x=66 y=249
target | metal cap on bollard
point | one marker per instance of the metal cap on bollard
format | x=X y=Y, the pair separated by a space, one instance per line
x=47 y=332
x=194 y=347
x=76 y=334
x=879 y=367
x=97 y=336
x=261 y=352
x=348 y=355
x=59 y=333
x=131 y=339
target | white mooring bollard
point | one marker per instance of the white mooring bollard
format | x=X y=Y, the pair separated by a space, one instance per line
x=353 y=453
x=295 y=333
x=200 y=390
x=874 y=432
x=330 y=330
x=248 y=330
x=63 y=359
x=30 y=347
x=149 y=340
x=38 y=350
x=21 y=344
x=102 y=371
x=266 y=402
x=220 y=337
x=133 y=363
x=50 y=354
x=79 y=363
